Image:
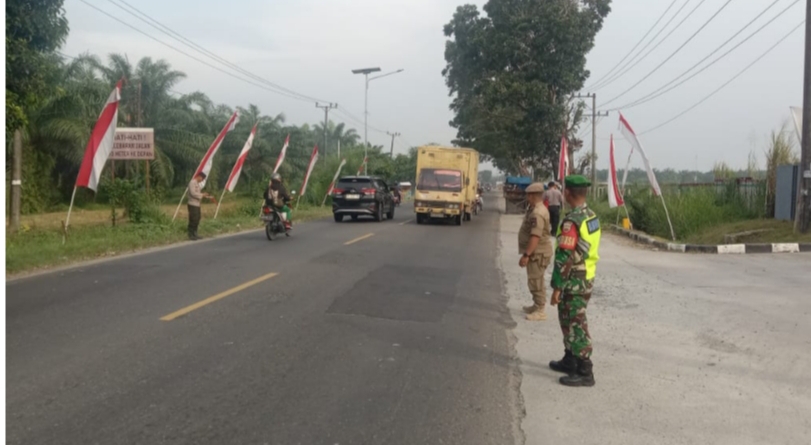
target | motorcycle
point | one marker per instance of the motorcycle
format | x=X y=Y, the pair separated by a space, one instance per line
x=479 y=205
x=273 y=223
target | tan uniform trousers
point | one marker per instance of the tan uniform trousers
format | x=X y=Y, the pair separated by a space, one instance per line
x=535 y=278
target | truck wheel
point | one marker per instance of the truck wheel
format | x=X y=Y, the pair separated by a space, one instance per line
x=458 y=220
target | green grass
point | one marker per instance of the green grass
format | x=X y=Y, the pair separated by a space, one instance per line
x=698 y=218
x=778 y=232
x=41 y=247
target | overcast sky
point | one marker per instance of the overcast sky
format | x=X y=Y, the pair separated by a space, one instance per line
x=311 y=46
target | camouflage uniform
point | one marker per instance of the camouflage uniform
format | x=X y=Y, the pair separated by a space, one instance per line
x=569 y=275
x=575 y=266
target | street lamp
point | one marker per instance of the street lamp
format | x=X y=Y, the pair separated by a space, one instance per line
x=366 y=72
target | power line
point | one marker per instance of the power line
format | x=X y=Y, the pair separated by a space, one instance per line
x=142 y=16
x=689 y=39
x=664 y=89
x=187 y=54
x=271 y=87
x=727 y=82
x=634 y=61
x=596 y=82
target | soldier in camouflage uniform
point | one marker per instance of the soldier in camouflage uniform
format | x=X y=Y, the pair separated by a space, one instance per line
x=572 y=279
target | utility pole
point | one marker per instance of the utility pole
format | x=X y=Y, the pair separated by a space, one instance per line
x=16 y=181
x=326 y=123
x=802 y=219
x=393 y=135
x=594 y=115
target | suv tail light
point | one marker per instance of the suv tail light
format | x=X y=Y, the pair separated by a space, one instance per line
x=368 y=191
x=337 y=191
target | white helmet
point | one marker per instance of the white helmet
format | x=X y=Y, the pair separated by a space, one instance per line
x=276 y=177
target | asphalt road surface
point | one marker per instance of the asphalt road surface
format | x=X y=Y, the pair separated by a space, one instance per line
x=350 y=333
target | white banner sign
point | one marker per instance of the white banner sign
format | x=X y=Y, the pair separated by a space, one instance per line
x=133 y=143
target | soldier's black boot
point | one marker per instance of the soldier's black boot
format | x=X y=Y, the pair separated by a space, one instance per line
x=583 y=377
x=566 y=365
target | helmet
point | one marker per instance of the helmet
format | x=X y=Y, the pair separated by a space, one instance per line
x=276 y=177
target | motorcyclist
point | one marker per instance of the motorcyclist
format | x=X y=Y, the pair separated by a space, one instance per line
x=276 y=196
x=396 y=192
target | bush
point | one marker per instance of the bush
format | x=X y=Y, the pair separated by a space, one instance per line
x=691 y=210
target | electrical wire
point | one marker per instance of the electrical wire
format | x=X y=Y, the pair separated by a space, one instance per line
x=714 y=92
x=689 y=39
x=635 y=61
x=664 y=89
x=270 y=86
x=140 y=15
x=596 y=82
x=187 y=54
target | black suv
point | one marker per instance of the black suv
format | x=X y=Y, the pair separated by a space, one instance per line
x=362 y=195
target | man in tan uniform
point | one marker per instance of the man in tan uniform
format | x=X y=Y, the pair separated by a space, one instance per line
x=535 y=247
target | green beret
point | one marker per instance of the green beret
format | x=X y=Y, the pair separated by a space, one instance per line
x=577 y=181
x=535 y=187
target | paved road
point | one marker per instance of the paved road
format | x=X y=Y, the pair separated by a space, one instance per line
x=399 y=338
x=688 y=349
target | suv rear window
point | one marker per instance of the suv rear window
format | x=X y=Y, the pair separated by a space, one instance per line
x=345 y=183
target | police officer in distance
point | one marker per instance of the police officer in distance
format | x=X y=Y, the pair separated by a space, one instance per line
x=535 y=247
x=572 y=281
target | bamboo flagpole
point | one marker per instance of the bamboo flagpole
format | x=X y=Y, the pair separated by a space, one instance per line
x=207 y=162
x=332 y=184
x=237 y=170
x=98 y=150
x=362 y=166
x=630 y=136
x=615 y=198
x=310 y=166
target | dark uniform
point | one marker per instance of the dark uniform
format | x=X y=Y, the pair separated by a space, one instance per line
x=575 y=266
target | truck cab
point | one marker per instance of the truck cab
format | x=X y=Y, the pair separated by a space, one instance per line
x=446 y=183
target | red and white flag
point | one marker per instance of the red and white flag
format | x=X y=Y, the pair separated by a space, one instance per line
x=335 y=178
x=101 y=142
x=614 y=195
x=282 y=154
x=628 y=132
x=563 y=161
x=310 y=166
x=362 y=166
x=237 y=170
x=208 y=159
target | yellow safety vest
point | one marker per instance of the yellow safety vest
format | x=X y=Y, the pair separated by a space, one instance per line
x=590 y=231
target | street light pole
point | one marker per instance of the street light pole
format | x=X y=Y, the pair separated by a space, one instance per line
x=366 y=72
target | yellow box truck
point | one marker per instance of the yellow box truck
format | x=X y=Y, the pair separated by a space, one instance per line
x=447 y=179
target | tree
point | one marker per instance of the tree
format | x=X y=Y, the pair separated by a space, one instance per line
x=34 y=30
x=512 y=75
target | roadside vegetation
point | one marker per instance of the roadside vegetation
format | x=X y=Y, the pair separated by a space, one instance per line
x=92 y=236
x=53 y=101
x=736 y=202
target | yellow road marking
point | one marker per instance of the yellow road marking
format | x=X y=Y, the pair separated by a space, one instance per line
x=360 y=238
x=406 y=222
x=214 y=298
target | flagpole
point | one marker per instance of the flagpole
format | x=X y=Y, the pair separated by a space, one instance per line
x=667 y=214
x=218 y=203
x=67 y=220
x=180 y=203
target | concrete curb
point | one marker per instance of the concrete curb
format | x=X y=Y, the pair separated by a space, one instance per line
x=643 y=238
